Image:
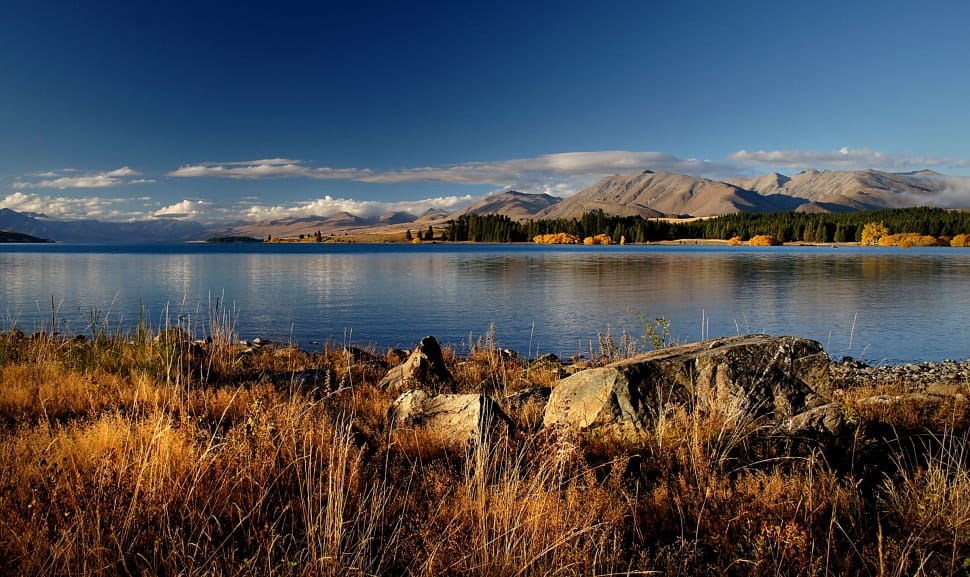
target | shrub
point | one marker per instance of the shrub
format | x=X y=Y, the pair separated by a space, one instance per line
x=909 y=240
x=764 y=240
x=556 y=238
x=598 y=239
x=961 y=240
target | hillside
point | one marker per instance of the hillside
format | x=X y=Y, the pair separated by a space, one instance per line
x=864 y=189
x=11 y=237
x=647 y=194
x=764 y=184
x=658 y=194
x=513 y=204
x=156 y=230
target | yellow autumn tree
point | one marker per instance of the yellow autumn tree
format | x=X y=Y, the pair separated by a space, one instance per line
x=872 y=232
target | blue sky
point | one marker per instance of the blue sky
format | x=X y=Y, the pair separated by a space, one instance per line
x=224 y=110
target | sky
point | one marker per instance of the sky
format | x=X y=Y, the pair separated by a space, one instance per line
x=220 y=111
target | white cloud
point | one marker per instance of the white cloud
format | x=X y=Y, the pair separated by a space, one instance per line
x=844 y=158
x=68 y=178
x=553 y=173
x=329 y=206
x=560 y=174
x=186 y=209
x=67 y=208
x=956 y=192
x=267 y=168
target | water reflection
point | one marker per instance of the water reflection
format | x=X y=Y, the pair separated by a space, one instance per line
x=881 y=305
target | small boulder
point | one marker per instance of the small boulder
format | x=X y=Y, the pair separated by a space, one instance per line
x=821 y=423
x=425 y=367
x=395 y=357
x=459 y=419
x=744 y=377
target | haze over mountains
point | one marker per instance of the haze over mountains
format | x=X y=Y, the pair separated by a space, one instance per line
x=648 y=194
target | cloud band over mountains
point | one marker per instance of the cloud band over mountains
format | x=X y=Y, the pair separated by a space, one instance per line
x=491 y=173
x=560 y=174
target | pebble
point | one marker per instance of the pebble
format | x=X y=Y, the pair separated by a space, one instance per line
x=918 y=376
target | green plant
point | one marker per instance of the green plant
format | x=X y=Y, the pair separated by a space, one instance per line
x=656 y=332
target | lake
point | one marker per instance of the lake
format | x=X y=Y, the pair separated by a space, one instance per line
x=882 y=305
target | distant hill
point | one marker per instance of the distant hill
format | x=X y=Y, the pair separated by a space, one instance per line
x=653 y=194
x=399 y=217
x=665 y=194
x=10 y=236
x=648 y=194
x=100 y=231
x=865 y=189
x=765 y=184
x=513 y=204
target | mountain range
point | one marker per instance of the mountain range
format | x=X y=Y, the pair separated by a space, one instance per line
x=649 y=194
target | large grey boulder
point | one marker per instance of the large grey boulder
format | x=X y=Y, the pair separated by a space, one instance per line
x=457 y=419
x=424 y=367
x=745 y=377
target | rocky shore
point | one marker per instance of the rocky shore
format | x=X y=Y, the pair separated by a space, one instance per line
x=916 y=376
x=787 y=384
x=754 y=455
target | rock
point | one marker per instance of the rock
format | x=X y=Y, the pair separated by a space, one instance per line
x=356 y=355
x=526 y=407
x=921 y=377
x=425 y=367
x=395 y=357
x=549 y=358
x=458 y=419
x=743 y=377
x=820 y=423
x=521 y=398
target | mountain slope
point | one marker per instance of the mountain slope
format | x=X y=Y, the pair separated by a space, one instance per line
x=648 y=194
x=657 y=194
x=865 y=189
x=513 y=204
x=764 y=184
x=100 y=231
x=7 y=236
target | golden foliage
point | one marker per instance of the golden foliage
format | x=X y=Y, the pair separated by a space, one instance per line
x=960 y=240
x=735 y=241
x=598 y=239
x=872 y=232
x=909 y=240
x=556 y=238
x=764 y=240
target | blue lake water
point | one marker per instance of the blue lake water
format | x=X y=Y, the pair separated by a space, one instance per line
x=883 y=305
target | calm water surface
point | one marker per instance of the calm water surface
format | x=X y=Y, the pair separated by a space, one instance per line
x=881 y=305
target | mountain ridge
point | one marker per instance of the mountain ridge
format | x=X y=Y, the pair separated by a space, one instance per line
x=650 y=194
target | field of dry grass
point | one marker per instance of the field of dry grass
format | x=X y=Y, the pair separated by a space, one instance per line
x=146 y=454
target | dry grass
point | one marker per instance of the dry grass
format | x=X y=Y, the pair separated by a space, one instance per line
x=151 y=456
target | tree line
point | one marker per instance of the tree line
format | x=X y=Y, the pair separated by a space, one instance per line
x=783 y=226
